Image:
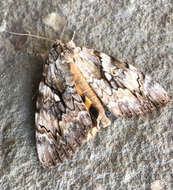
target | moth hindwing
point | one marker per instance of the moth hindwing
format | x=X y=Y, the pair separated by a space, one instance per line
x=69 y=111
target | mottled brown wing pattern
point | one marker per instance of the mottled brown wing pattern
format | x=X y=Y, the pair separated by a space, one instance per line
x=122 y=88
x=62 y=120
x=68 y=106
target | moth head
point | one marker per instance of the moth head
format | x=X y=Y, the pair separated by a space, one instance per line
x=58 y=46
x=71 y=44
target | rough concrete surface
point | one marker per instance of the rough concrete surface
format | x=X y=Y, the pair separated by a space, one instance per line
x=130 y=154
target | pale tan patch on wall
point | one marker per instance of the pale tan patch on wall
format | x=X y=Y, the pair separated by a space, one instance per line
x=157 y=185
x=55 y=21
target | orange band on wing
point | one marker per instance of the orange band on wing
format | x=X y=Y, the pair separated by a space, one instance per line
x=85 y=91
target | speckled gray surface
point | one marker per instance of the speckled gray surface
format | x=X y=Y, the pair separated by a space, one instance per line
x=130 y=154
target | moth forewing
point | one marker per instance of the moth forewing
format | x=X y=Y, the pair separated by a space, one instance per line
x=122 y=88
x=62 y=119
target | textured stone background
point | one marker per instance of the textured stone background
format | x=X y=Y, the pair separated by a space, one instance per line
x=130 y=154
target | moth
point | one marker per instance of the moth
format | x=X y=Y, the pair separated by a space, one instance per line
x=76 y=82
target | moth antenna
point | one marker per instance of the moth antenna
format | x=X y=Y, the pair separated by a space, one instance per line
x=62 y=33
x=74 y=33
x=30 y=35
x=69 y=13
